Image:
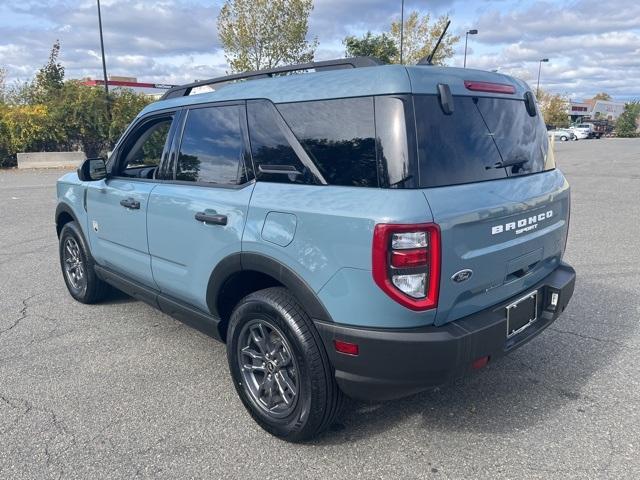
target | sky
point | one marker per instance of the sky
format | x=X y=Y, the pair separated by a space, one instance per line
x=592 y=45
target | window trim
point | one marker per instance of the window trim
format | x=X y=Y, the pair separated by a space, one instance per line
x=116 y=157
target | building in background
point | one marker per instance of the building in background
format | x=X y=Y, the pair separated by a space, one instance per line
x=595 y=110
x=153 y=90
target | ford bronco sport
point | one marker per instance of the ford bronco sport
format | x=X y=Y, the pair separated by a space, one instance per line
x=369 y=231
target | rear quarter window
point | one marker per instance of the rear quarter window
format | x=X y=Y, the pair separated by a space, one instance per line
x=339 y=137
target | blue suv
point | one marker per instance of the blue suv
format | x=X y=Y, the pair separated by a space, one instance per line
x=360 y=229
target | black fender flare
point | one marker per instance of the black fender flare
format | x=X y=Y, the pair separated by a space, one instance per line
x=66 y=208
x=256 y=262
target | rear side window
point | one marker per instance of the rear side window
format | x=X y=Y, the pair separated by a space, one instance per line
x=212 y=148
x=456 y=148
x=271 y=147
x=339 y=137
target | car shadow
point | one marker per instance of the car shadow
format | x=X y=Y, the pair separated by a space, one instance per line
x=517 y=391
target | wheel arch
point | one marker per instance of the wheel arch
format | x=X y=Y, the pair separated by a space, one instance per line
x=64 y=215
x=243 y=273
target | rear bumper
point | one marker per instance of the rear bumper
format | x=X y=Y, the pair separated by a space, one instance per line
x=393 y=363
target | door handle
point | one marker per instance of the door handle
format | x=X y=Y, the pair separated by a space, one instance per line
x=211 y=218
x=130 y=203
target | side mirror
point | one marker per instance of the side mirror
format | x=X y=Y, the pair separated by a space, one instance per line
x=92 y=169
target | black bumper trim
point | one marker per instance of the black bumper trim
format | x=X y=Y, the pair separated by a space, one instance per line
x=393 y=363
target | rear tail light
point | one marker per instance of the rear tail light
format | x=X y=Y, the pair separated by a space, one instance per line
x=489 y=87
x=406 y=263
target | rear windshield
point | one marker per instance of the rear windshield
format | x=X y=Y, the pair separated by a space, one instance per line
x=474 y=142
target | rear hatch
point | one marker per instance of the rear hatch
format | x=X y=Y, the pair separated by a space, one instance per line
x=492 y=187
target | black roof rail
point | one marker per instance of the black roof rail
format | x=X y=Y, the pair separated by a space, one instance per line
x=354 y=62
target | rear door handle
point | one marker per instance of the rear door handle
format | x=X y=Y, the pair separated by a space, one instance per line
x=130 y=203
x=211 y=219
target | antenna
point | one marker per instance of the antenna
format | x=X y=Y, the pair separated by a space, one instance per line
x=428 y=60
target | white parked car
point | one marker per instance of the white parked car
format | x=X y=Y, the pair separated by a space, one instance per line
x=582 y=130
x=563 y=135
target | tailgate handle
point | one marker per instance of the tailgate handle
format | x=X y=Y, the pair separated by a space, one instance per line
x=521 y=272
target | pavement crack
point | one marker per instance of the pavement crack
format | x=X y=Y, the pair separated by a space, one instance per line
x=23 y=314
x=589 y=337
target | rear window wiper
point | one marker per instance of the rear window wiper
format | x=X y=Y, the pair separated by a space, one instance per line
x=508 y=163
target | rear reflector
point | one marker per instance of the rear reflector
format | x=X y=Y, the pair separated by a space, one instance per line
x=480 y=363
x=489 y=87
x=346 y=347
x=409 y=258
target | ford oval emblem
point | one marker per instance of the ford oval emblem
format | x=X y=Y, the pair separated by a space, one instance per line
x=462 y=275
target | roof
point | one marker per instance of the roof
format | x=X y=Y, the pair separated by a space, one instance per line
x=343 y=83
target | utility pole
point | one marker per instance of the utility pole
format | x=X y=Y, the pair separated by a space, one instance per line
x=466 y=39
x=401 y=31
x=104 y=63
x=539 y=69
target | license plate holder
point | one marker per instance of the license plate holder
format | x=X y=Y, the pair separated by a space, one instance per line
x=522 y=313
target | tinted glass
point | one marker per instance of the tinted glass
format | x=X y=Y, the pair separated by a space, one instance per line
x=339 y=137
x=146 y=147
x=212 y=148
x=273 y=155
x=521 y=138
x=396 y=149
x=456 y=148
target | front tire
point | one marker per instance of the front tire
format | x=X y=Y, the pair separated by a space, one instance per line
x=564 y=138
x=77 y=266
x=279 y=366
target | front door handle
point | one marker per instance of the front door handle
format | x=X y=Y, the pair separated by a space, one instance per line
x=211 y=218
x=130 y=203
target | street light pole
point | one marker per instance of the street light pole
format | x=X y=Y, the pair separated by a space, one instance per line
x=539 y=69
x=466 y=39
x=401 y=31
x=104 y=61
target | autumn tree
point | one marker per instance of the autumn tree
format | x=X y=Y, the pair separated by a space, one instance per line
x=554 y=108
x=50 y=78
x=419 y=38
x=628 y=124
x=602 y=96
x=259 y=34
x=382 y=47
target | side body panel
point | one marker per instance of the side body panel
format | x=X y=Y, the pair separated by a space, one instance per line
x=331 y=247
x=118 y=235
x=185 y=251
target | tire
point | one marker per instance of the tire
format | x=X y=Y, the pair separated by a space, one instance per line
x=263 y=381
x=564 y=138
x=84 y=286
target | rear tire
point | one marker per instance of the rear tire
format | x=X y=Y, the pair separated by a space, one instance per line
x=564 y=138
x=77 y=266
x=279 y=366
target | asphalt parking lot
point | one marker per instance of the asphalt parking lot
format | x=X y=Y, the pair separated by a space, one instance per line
x=120 y=390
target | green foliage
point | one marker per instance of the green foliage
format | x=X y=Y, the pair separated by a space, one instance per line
x=259 y=34
x=628 y=124
x=50 y=79
x=420 y=36
x=381 y=46
x=554 y=108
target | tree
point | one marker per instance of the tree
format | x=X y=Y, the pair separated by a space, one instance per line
x=628 y=124
x=381 y=46
x=3 y=84
x=259 y=34
x=554 y=108
x=420 y=36
x=50 y=79
x=602 y=96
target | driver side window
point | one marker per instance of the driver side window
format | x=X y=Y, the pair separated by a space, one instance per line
x=144 y=151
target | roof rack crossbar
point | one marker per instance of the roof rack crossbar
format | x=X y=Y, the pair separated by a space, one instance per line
x=354 y=62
